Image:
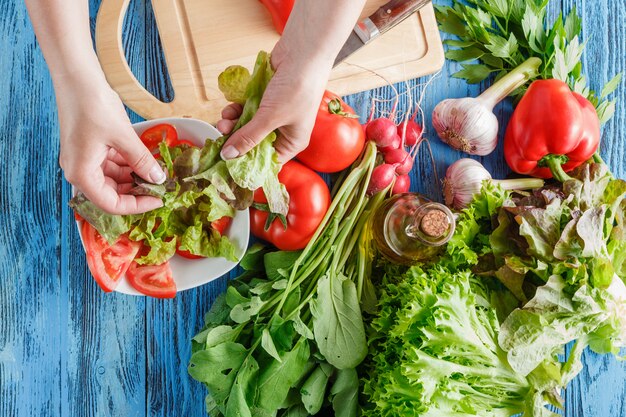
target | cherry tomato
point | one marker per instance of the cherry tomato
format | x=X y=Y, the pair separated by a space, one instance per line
x=107 y=263
x=309 y=200
x=157 y=134
x=152 y=280
x=337 y=138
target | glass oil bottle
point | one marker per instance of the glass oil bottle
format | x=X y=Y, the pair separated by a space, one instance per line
x=409 y=228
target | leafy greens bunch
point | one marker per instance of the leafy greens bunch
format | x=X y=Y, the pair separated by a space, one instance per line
x=201 y=187
x=435 y=352
x=287 y=335
x=561 y=252
x=502 y=34
x=480 y=331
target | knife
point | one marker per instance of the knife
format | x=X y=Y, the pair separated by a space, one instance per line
x=378 y=23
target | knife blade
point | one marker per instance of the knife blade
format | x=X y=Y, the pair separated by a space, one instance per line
x=378 y=23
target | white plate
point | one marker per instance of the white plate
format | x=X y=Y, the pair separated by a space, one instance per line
x=190 y=273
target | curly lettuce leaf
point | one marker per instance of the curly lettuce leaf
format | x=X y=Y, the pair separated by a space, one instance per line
x=232 y=82
x=553 y=318
x=259 y=167
x=434 y=351
x=110 y=226
x=208 y=243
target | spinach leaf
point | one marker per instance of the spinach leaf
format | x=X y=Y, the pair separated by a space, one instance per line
x=337 y=322
x=277 y=378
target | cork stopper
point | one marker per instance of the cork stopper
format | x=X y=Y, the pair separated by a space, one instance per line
x=435 y=223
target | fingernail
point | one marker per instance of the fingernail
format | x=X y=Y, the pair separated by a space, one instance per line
x=157 y=176
x=229 y=152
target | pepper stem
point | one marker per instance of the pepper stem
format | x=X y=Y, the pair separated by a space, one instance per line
x=555 y=163
x=509 y=83
x=520 y=184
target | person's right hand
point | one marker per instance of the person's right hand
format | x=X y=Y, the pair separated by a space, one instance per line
x=100 y=149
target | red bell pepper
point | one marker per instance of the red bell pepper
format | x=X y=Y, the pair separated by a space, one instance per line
x=280 y=11
x=552 y=131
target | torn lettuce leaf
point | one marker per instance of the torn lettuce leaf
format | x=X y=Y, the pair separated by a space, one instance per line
x=233 y=83
x=110 y=226
x=259 y=167
x=251 y=170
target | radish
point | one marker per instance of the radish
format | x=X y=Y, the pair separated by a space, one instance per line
x=382 y=131
x=396 y=143
x=402 y=185
x=401 y=159
x=382 y=177
x=413 y=132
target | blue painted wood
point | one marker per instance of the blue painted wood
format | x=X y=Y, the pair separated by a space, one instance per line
x=66 y=349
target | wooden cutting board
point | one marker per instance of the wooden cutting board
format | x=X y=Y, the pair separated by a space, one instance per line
x=202 y=37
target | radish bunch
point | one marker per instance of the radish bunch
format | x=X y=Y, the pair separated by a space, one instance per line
x=397 y=162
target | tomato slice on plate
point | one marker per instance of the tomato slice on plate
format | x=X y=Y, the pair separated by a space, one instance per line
x=178 y=142
x=152 y=280
x=157 y=134
x=188 y=255
x=108 y=263
x=221 y=224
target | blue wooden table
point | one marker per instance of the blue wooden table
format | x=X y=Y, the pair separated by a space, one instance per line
x=67 y=349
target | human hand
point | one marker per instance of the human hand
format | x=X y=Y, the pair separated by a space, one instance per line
x=289 y=105
x=100 y=149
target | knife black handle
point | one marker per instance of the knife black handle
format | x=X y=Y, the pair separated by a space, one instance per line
x=394 y=12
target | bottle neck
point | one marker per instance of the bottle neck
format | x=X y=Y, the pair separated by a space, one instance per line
x=433 y=224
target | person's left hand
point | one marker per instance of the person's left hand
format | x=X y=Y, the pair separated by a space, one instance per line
x=290 y=104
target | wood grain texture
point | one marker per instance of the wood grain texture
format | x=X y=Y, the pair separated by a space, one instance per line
x=201 y=38
x=67 y=349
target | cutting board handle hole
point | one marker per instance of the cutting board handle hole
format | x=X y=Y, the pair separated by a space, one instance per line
x=146 y=59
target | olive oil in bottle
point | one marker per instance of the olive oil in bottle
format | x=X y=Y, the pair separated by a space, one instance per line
x=409 y=228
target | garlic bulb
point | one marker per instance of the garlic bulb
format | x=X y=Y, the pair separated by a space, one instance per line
x=465 y=178
x=468 y=124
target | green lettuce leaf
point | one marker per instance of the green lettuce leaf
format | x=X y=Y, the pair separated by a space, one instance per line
x=554 y=318
x=435 y=352
x=110 y=226
x=232 y=82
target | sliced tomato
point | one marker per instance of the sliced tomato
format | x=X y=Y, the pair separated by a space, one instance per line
x=108 y=263
x=220 y=225
x=157 y=134
x=78 y=217
x=188 y=255
x=178 y=142
x=152 y=280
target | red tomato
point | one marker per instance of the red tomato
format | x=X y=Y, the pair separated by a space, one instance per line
x=187 y=255
x=157 y=134
x=309 y=200
x=78 y=217
x=107 y=263
x=220 y=225
x=178 y=142
x=152 y=280
x=337 y=138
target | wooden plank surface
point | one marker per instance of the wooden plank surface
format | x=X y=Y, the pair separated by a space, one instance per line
x=66 y=349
